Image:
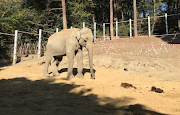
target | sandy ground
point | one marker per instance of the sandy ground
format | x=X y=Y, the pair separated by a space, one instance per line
x=24 y=90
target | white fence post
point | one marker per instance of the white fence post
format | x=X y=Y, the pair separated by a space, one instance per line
x=116 y=29
x=130 y=28
x=94 y=31
x=57 y=30
x=83 y=24
x=15 y=47
x=149 y=26
x=103 y=31
x=71 y=27
x=166 y=23
x=39 y=44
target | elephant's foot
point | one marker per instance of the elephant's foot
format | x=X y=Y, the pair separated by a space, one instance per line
x=80 y=75
x=56 y=74
x=46 y=75
x=92 y=77
x=70 y=76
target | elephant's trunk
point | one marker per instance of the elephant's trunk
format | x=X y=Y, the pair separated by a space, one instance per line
x=90 y=53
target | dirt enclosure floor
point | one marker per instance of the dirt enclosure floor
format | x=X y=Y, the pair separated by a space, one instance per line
x=143 y=62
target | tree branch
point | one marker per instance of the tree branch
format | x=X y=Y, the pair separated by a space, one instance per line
x=4 y=13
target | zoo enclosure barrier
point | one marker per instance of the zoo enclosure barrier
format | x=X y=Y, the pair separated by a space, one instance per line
x=92 y=27
x=160 y=24
x=25 y=46
x=39 y=45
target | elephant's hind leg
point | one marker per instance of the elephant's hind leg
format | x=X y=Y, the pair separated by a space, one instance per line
x=56 y=64
x=48 y=61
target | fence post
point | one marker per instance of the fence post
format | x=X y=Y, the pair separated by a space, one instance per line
x=130 y=27
x=71 y=27
x=116 y=29
x=103 y=31
x=83 y=24
x=149 y=26
x=94 y=31
x=15 y=47
x=57 y=30
x=39 y=44
x=166 y=23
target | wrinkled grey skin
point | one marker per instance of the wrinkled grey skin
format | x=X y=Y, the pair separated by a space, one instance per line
x=69 y=42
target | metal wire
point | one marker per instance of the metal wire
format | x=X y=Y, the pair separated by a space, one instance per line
x=47 y=31
x=28 y=33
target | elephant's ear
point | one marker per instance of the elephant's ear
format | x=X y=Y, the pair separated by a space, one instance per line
x=78 y=35
x=83 y=33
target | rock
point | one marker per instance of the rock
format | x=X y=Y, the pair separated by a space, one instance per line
x=127 y=85
x=157 y=90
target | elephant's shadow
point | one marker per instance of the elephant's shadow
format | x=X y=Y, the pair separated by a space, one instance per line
x=75 y=71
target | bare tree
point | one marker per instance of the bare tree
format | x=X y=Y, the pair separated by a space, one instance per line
x=154 y=11
x=111 y=19
x=135 y=19
x=64 y=14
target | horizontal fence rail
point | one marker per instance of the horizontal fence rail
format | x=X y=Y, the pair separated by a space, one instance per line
x=98 y=27
x=149 y=24
x=6 y=34
x=28 y=33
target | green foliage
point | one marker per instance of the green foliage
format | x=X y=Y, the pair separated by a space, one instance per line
x=23 y=19
x=99 y=32
x=146 y=7
x=31 y=15
x=123 y=30
x=79 y=11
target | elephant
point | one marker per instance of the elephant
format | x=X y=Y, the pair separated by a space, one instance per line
x=70 y=43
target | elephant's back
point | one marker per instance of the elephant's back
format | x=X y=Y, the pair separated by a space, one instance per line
x=63 y=34
x=68 y=32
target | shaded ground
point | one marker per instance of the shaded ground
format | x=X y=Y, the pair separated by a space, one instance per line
x=5 y=62
x=24 y=90
x=172 y=39
x=23 y=96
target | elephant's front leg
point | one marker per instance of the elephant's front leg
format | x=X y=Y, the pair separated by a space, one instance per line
x=70 y=54
x=79 y=57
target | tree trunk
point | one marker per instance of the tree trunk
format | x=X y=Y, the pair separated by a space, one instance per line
x=135 y=19
x=93 y=19
x=179 y=24
x=154 y=21
x=111 y=19
x=144 y=12
x=64 y=14
x=122 y=15
x=178 y=7
x=115 y=10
